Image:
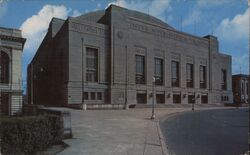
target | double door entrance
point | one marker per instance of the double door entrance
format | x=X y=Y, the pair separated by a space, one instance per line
x=4 y=103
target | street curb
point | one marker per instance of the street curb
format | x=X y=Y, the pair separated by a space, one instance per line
x=162 y=141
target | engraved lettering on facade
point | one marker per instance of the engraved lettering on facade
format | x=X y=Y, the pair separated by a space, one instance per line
x=140 y=50
x=88 y=28
x=189 y=59
x=165 y=34
x=159 y=53
x=175 y=56
x=203 y=61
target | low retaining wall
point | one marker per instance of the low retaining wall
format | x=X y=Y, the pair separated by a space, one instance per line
x=64 y=115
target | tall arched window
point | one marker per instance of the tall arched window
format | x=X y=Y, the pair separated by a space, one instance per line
x=4 y=67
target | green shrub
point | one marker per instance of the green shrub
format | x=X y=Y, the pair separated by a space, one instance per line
x=27 y=135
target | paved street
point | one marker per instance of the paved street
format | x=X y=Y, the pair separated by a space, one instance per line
x=119 y=132
x=116 y=132
x=211 y=132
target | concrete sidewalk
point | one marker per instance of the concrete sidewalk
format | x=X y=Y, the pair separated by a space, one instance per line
x=117 y=132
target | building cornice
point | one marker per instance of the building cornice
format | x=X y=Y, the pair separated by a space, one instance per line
x=17 y=39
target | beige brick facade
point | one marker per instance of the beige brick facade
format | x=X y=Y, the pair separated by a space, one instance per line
x=118 y=35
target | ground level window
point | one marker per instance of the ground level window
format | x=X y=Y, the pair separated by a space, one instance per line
x=176 y=98
x=99 y=96
x=191 y=98
x=141 y=98
x=224 y=98
x=92 y=95
x=160 y=98
x=204 y=99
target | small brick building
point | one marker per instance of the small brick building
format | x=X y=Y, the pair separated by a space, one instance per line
x=241 y=88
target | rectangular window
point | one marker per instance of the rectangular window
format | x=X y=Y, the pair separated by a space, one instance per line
x=91 y=64
x=92 y=94
x=190 y=76
x=140 y=69
x=158 y=71
x=176 y=98
x=203 y=80
x=204 y=99
x=160 y=98
x=224 y=79
x=99 y=96
x=175 y=73
x=141 y=98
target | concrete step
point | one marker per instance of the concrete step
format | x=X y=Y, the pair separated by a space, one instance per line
x=176 y=105
x=121 y=106
x=105 y=106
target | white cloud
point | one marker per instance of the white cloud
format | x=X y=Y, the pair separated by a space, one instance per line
x=158 y=8
x=155 y=8
x=86 y=11
x=234 y=29
x=99 y=5
x=76 y=13
x=35 y=27
x=193 y=17
x=196 y=15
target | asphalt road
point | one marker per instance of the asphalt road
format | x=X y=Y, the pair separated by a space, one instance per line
x=209 y=132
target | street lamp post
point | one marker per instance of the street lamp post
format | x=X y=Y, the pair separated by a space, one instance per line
x=84 y=106
x=193 y=102
x=126 y=79
x=193 y=105
x=153 y=98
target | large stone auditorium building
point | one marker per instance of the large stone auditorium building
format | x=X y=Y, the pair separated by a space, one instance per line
x=111 y=57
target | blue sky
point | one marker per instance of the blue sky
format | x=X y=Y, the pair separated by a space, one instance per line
x=226 y=19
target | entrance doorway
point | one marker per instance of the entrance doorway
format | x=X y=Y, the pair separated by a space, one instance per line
x=5 y=103
x=191 y=98
x=141 y=98
x=160 y=98
x=204 y=99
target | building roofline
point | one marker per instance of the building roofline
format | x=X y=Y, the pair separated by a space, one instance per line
x=10 y=28
x=241 y=75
